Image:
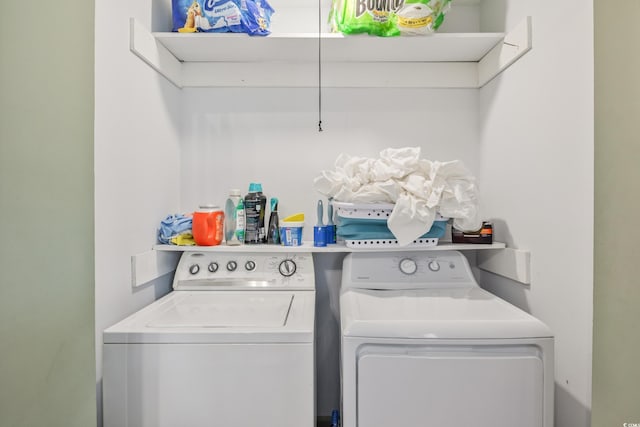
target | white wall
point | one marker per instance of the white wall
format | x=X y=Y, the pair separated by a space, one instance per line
x=271 y=136
x=536 y=152
x=137 y=163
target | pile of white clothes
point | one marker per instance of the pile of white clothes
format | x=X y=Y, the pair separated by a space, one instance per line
x=418 y=187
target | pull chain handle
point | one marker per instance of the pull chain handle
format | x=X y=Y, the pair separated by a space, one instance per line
x=319 y=65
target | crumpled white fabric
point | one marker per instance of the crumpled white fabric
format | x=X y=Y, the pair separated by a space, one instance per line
x=418 y=187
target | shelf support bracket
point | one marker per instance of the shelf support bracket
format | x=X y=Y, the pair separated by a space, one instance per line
x=514 y=264
x=151 y=265
x=515 y=44
x=147 y=48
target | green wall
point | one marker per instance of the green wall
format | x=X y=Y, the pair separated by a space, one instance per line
x=616 y=352
x=47 y=356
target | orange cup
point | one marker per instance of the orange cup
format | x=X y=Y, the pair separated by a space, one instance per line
x=208 y=225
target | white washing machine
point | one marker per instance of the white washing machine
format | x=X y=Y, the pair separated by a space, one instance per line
x=424 y=345
x=232 y=345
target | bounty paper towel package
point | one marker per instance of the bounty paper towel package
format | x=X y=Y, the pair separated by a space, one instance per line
x=221 y=16
x=388 y=17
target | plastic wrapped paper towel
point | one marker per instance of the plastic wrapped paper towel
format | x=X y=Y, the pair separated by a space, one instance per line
x=418 y=187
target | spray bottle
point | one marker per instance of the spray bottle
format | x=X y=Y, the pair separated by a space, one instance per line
x=273 y=233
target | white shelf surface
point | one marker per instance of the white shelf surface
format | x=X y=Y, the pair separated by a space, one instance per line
x=495 y=258
x=339 y=247
x=442 y=60
x=303 y=47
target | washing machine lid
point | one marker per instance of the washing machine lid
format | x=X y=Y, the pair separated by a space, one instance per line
x=220 y=317
x=435 y=313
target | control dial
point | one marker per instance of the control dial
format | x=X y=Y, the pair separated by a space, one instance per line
x=194 y=268
x=232 y=265
x=250 y=265
x=408 y=266
x=213 y=267
x=434 y=266
x=287 y=267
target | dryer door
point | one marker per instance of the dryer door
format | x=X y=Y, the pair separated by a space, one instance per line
x=480 y=386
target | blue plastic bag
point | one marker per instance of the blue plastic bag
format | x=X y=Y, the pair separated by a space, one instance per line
x=173 y=226
x=221 y=16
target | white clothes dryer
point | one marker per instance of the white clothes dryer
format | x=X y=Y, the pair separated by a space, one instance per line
x=424 y=345
x=232 y=345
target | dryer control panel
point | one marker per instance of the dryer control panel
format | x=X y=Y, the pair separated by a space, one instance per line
x=246 y=270
x=406 y=270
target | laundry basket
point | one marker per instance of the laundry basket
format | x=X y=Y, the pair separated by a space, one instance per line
x=364 y=225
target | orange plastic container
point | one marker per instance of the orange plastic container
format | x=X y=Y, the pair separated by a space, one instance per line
x=208 y=225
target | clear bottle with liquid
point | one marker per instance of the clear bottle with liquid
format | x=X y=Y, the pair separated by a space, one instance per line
x=234 y=224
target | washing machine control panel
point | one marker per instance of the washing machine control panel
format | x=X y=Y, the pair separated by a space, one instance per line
x=245 y=270
x=406 y=270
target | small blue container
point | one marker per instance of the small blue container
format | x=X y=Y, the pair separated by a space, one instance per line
x=291 y=233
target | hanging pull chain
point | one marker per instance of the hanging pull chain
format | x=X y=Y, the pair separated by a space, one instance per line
x=319 y=66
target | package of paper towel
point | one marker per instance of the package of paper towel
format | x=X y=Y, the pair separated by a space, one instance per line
x=418 y=187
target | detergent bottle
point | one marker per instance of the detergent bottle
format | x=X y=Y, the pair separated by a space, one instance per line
x=208 y=225
x=255 y=205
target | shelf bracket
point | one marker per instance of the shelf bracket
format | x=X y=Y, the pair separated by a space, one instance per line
x=147 y=48
x=514 y=264
x=151 y=265
x=515 y=44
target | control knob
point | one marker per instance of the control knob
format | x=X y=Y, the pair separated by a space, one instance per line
x=287 y=267
x=194 y=269
x=232 y=265
x=250 y=265
x=213 y=267
x=408 y=266
x=434 y=266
